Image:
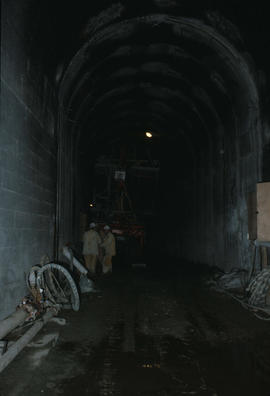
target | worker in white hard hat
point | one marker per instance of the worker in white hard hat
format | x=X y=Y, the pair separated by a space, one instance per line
x=91 y=242
x=109 y=247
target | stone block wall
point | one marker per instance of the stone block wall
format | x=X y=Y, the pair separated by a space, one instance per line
x=27 y=160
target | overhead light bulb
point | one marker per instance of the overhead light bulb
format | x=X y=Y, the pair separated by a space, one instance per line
x=91 y=205
x=148 y=134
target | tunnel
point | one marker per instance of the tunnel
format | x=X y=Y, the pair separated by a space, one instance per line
x=189 y=85
x=81 y=84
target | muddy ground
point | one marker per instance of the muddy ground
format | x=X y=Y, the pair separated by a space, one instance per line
x=147 y=333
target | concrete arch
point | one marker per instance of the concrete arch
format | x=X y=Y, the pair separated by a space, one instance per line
x=221 y=62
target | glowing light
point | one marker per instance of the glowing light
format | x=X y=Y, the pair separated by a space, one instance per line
x=91 y=205
x=148 y=134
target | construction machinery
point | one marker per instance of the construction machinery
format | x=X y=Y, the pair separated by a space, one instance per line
x=124 y=196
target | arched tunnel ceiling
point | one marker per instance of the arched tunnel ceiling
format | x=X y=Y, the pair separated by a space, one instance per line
x=156 y=71
x=186 y=44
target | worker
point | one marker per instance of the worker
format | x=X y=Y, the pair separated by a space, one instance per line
x=91 y=242
x=109 y=249
x=101 y=232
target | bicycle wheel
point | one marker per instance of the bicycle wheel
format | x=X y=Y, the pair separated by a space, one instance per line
x=58 y=283
x=31 y=282
x=31 y=277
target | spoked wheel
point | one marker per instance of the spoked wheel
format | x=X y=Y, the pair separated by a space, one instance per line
x=58 y=285
x=31 y=278
x=31 y=281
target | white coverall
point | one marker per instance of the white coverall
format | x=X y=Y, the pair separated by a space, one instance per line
x=91 y=242
x=109 y=246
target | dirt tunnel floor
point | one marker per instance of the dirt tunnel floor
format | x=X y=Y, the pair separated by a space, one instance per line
x=147 y=335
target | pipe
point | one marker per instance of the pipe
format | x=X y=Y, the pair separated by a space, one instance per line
x=75 y=262
x=16 y=348
x=12 y=321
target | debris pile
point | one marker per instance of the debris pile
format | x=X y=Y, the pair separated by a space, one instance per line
x=31 y=306
x=235 y=280
x=51 y=288
x=253 y=292
x=258 y=291
x=87 y=285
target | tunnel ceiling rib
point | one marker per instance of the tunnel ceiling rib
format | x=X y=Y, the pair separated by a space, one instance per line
x=113 y=62
x=170 y=118
x=121 y=122
x=152 y=71
x=199 y=116
x=161 y=69
x=193 y=31
x=171 y=80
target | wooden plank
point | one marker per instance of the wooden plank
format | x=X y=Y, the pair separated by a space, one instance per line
x=252 y=215
x=263 y=211
x=263 y=257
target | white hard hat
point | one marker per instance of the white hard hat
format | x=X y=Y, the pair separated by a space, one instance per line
x=92 y=225
x=106 y=227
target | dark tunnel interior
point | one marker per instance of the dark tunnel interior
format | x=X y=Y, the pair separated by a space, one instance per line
x=82 y=85
x=188 y=84
x=93 y=78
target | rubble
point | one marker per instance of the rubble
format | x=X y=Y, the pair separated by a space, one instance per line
x=259 y=288
x=52 y=288
x=252 y=293
x=33 y=309
x=86 y=285
x=236 y=280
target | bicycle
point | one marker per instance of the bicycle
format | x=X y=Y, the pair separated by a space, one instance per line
x=52 y=285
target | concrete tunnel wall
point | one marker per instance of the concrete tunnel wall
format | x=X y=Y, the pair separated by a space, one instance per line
x=27 y=159
x=228 y=155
